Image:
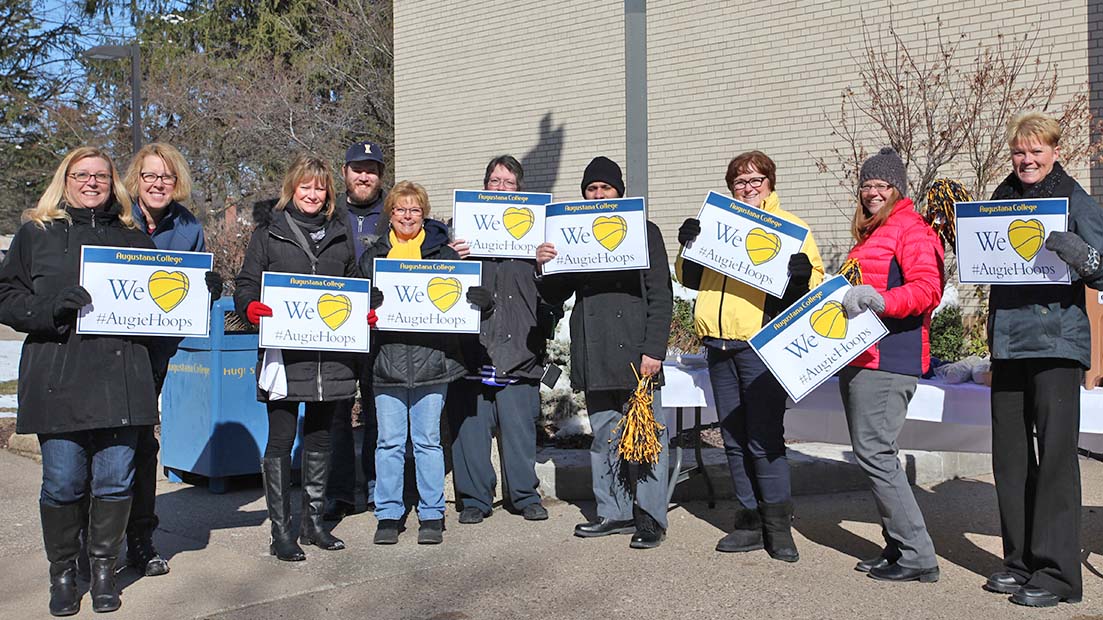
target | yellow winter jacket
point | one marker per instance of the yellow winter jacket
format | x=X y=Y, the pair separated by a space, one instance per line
x=731 y=310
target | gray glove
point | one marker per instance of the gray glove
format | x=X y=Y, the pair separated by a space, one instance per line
x=860 y=298
x=1069 y=247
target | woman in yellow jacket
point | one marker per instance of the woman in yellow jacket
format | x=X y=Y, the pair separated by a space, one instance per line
x=749 y=401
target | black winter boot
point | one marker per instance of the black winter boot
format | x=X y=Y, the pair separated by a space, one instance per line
x=311 y=532
x=106 y=530
x=777 y=520
x=277 y=494
x=747 y=535
x=61 y=534
x=141 y=555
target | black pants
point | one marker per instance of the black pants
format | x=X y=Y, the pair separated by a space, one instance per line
x=342 y=460
x=143 y=517
x=283 y=419
x=1038 y=489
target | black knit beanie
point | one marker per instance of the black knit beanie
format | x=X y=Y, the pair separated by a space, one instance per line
x=888 y=167
x=603 y=169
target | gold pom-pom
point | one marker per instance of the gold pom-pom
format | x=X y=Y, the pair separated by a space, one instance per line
x=639 y=431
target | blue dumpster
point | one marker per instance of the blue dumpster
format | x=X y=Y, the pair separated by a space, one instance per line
x=211 y=422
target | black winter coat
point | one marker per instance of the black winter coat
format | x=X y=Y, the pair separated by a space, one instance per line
x=514 y=337
x=311 y=375
x=68 y=381
x=618 y=317
x=413 y=359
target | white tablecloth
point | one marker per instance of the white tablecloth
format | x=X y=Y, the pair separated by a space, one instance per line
x=940 y=417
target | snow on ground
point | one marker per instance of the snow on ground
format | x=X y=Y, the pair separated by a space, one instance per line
x=9 y=370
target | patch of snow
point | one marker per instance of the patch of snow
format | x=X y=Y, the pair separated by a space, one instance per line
x=10 y=351
x=950 y=299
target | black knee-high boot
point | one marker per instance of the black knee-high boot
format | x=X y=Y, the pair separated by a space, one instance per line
x=311 y=532
x=61 y=527
x=277 y=493
x=106 y=529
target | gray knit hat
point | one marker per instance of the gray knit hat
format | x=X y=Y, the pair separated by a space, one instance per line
x=886 y=166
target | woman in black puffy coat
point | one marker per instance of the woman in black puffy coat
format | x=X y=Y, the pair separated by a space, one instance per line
x=86 y=397
x=302 y=237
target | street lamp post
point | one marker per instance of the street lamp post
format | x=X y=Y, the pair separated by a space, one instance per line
x=115 y=52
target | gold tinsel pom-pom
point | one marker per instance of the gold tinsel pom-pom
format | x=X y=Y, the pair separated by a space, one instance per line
x=852 y=271
x=640 y=432
x=940 y=207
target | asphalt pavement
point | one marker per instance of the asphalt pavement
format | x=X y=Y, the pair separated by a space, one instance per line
x=506 y=567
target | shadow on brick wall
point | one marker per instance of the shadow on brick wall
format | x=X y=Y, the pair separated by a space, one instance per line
x=541 y=163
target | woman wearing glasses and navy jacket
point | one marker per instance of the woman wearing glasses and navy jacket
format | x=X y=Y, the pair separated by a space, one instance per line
x=159 y=182
x=750 y=401
x=901 y=264
x=86 y=397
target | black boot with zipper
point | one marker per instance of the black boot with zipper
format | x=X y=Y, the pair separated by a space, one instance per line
x=311 y=532
x=106 y=530
x=277 y=494
x=61 y=527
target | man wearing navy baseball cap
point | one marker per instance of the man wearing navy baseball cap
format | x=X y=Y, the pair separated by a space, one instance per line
x=363 y=202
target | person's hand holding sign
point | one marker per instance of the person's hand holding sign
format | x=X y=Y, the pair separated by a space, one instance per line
x=861 y=298
x=1069 y=247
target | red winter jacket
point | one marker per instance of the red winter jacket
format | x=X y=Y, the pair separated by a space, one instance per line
x=903 y=260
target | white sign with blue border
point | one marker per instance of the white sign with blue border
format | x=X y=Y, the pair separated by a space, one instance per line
x=427 y=295
x=597 y=235
x=1004 y=241
x=499 y=224
x=745 y=243
x=814 y=338
x=315 y=313
x=142 y=292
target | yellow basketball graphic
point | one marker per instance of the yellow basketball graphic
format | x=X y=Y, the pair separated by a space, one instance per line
x=518 y=221
x=168 y=289
x=334 y=310
x=610 y=230
x=830 y=320
x=762 y=246
x=444 y=292
x=1027 y=237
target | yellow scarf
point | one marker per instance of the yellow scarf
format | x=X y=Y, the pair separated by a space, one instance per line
x=409 y=249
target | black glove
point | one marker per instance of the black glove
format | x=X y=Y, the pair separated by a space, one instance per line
x=800 y=268
x=481 y=297
x=70 y=299
x=1069 y=247
x=689 y=230
x=214 y=284
x=376 y=298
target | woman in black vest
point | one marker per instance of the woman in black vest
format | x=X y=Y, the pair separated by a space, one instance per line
x=302 y=236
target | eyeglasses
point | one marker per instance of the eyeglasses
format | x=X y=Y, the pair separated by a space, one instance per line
x=874 y=187
x=150 y=177
x=415 y=211
x=83 y=177
x=755 y=183
x=506 y=183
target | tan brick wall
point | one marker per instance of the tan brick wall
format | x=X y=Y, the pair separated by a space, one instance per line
x=545 y=82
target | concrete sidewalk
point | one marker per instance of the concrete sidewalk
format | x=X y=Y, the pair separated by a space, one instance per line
x=509 y=568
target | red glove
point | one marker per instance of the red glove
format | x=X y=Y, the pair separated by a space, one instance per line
x=372 y=319
x=255 y=310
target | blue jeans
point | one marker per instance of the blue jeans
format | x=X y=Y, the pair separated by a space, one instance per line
x=68 y=458
x=415 y=411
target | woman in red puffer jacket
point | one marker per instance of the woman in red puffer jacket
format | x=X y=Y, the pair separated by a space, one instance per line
x=901 y=265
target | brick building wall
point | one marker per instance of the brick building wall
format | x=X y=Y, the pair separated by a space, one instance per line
x=544 y=81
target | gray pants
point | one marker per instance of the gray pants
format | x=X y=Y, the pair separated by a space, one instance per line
x=876 y=403
x=611 y=477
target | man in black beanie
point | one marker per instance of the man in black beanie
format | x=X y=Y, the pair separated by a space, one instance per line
x=620 y=319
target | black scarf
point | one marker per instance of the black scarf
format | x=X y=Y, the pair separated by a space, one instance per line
x=313 y=225
x=1056 y=184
